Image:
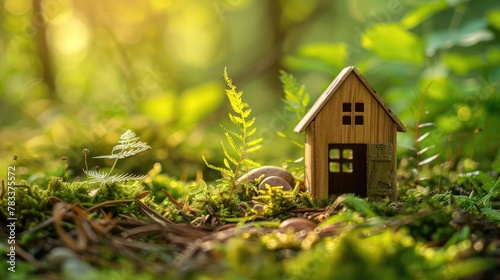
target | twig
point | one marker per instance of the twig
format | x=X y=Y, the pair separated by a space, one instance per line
x=172 y=199
x=109 y=203
x=146 y=210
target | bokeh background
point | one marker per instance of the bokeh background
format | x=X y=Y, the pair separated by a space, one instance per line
x=77 y=74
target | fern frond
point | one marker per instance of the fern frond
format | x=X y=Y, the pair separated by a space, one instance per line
x=226 y=171
x=232 y=133
x=296 y=103
x=128 y=146
x=228 y=156
x=103 y=178
x=236 y=120
x=228 y=81
x=293 y=141
x=95 y=175
x=253 y=149
x=251 y=132
x=250 y=163
x=241 y=141
x=296 y=97
x=124 y=177
x=233 y=145
x=246 y=113
x=254 y=142
x=250 y=123
x=226 y=163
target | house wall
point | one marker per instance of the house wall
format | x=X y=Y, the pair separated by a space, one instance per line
x=327 y=128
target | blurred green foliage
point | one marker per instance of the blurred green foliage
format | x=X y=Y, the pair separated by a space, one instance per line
x=77 y=74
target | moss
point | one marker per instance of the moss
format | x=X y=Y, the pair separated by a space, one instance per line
x=30 y=206
x=273 y=200
x=218 y=200
x=84 y=192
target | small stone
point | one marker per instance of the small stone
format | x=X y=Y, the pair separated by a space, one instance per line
x=274 y=181
x=267 y=171
x=258 y=207
x=57 y=256
x=298 y=224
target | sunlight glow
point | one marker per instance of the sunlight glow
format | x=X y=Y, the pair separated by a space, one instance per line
x=17 y=7
x=68 y=34
x=193 y=35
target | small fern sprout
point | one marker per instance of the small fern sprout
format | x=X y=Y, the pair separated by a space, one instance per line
x=241 y=142
x=85 y=152
x=127 y=146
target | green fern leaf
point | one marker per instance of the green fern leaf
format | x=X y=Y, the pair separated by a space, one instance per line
x=253 y=149
x=233 y=145
x=254 y=142
x=228 y=81
x=226 y=171
x=250 y=123
x=296 y=97
x=228 y=156
x=250 y=163
x=240 y=141
x=226 y=163
x=246 y=113
x=238 y=120
x=234 y=134
x=251 y=132
x=235 y=120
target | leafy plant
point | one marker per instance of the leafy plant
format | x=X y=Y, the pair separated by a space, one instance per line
x=127 y=146
x=296 y=102
x=296 y=97
x=483 y=197
x=420 y=159
x=241 y=142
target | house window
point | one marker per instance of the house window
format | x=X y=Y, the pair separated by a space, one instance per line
x=359 y=107
x=346 y=107
x=347 y=153
x=340 y=160
x=348 y=114
x=334 y=154
x=347 y=167
x=334 y=167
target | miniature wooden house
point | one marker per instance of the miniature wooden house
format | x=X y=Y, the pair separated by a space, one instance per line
x=350 y=140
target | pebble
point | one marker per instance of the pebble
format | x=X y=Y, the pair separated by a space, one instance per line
x=274 y=181
x=57 y=256
x=298 y=224
x=267 y=171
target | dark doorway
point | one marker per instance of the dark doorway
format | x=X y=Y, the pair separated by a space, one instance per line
x=347 y=170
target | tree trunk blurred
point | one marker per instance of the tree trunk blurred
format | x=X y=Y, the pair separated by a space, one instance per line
x=44 y=55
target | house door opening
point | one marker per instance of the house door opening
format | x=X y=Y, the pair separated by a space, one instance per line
x=347 y=168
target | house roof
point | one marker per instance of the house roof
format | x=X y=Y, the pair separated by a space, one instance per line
x=332 y=89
